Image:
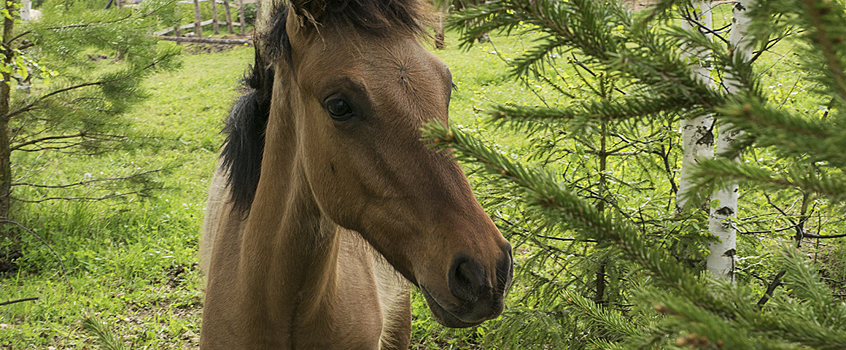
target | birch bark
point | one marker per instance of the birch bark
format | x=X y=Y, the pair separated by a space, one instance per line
x=721 y=260
x=697 y=136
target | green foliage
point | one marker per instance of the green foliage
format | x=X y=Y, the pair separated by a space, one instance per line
x=587 y=197
x=131 y=262
x=80 y=73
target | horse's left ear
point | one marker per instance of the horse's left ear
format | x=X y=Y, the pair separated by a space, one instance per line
x=312 y=10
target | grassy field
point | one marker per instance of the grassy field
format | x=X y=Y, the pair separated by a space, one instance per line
x=131 y=263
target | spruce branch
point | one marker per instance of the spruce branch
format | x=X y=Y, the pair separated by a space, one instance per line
x=92 y=181
x=813 y=321
x=29 y=106
x=714 y=173
x=824 y=18
x=805 y=284
x=561 y=207
x=577 y=23
x=697 y=321
x=611 y=320
x=788 y=135
x=586 y=114
x=83 y=198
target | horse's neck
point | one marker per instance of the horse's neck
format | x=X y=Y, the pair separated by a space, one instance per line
x=289 y=282
x=288 y=264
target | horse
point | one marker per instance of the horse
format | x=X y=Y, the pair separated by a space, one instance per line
x=326 y=207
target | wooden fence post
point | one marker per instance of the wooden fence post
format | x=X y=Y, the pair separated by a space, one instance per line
x=258 y=14
x=241 y=9
x=214 y=17
x=198 y=27
x=228 y=16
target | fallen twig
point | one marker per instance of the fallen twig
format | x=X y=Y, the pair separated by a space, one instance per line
x=17 y=301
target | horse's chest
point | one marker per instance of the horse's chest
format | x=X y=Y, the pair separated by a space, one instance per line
x=352 y=316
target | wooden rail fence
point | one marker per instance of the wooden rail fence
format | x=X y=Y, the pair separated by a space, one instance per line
x=198 y=24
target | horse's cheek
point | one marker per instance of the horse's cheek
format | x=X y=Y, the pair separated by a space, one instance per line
x=334 y=187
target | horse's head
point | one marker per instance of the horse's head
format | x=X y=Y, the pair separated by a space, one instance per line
x=355 y=85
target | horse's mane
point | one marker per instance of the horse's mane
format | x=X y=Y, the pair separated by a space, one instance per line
x=245 y=127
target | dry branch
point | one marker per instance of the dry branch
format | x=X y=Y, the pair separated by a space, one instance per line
x=17 y=301
x=207 y=40
x=88 y=182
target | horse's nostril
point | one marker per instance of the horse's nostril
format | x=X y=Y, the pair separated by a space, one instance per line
x=505 y=271
x=467 y=279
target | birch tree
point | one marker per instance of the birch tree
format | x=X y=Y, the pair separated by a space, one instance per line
x=721 y=260
x=697 y=135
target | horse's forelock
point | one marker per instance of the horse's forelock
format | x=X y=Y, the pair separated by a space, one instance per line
x=374 y=17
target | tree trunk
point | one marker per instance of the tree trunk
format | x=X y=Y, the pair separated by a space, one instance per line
x=228 y=16
x=258 y=14
x=198 y=26
x=241 y=11
x=697 y=135
x=638 y=5
x=5 y=102
x=721 y=260
x=215 y=26
x=26 y=6
x=601 y=282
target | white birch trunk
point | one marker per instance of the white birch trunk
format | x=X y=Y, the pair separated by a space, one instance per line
x=26 y=7
x=697 y=136
x=721 y=260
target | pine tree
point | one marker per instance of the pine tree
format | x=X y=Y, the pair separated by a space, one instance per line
x=59 y=95
x=664 y=297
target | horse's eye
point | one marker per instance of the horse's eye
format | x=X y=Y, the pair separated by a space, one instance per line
x=339 y=109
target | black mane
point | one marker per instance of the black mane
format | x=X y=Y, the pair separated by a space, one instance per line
x=244 y=146
x=245 y=127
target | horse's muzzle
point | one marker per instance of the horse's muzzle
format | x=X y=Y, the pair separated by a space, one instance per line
x=480 y=296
